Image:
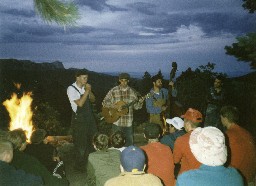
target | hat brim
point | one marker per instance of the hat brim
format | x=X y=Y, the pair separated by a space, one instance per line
x=171 y=122
x=204 y=153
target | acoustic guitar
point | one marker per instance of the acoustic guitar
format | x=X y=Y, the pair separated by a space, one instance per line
x=111 y=115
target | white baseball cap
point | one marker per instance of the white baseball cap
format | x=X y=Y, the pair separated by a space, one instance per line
x=177 y=122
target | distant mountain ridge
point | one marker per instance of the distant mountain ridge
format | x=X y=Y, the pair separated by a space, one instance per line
x=15 y=64
x=139 y=75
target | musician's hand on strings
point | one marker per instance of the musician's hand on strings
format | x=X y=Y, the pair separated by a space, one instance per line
x=141 y=100
x=118 y=108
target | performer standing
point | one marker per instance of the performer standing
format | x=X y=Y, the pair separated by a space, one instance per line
x=156 y=103
x=83 y=123
x=215 y=99
x=123 y=94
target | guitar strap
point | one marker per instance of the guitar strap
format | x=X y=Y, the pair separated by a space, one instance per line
x=162 y=94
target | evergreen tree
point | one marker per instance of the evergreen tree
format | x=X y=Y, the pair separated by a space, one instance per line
x=250 y=5
x=160 y=74
x=245 y=49
x=146 y=83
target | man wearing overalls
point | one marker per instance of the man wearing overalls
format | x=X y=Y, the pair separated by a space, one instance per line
x=83 y=124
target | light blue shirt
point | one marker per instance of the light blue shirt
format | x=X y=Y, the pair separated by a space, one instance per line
x=210 y=176
x=163 y=94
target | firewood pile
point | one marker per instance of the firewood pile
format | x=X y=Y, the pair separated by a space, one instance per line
x=59 y=140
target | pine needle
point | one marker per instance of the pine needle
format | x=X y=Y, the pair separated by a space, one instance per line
x=57 y=11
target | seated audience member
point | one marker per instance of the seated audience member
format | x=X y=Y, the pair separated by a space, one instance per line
x=18 y=139
x=45 y=153
x=104 y=163
x=181 y=152
x=176 y=130
x=29 y=163
x=117 y=140
x=159 y=156
x=208 y=146
x=132 y=170
x=241 y=143
x=9 y=176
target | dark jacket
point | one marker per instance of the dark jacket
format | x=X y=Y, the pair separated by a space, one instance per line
x=170 y=139
x=31 y=165
x=9 y=176
x=44 y=153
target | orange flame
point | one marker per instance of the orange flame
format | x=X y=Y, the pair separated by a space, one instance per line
x=20 y=113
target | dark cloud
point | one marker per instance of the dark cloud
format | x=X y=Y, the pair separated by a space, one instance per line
x=144 y=8
x=211 y=23
x=24 y=32
x=22 y=13
x=82 y=29
x=98 y=5
x=168 y=23
x=192 y=6
x=216 y=23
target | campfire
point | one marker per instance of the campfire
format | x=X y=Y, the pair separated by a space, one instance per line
x=20 y=112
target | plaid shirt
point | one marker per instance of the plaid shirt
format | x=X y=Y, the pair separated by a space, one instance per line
x=128 y=95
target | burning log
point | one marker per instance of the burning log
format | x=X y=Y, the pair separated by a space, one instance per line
x=59 y=140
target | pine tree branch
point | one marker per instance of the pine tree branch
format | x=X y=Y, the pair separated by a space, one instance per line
x=57 y=11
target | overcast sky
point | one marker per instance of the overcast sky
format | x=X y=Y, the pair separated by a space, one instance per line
x=129 y=35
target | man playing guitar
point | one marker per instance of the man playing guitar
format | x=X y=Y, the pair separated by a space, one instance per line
x=156 y=104
x=120 y=101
